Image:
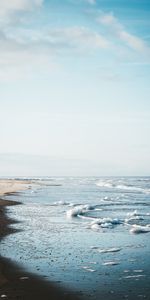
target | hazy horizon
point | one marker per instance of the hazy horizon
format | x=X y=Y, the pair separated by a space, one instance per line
x=37 y=165
x=74 y=87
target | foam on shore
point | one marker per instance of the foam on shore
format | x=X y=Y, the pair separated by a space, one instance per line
x=110 y=250
x=136 y=229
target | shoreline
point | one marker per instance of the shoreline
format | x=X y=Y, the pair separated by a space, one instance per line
x=128 y=280
x=15 y=282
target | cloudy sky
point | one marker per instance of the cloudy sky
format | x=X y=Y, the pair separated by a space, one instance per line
x=74 y=87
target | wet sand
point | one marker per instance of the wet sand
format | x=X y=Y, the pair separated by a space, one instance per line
x=15 y=282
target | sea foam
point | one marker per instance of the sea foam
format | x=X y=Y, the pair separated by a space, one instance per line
x=79 y=210
x=110 y=263
x=110 y=250
x=136 y=229
x=105 y=223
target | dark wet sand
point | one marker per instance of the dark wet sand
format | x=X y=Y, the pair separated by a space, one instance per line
x=16 y=283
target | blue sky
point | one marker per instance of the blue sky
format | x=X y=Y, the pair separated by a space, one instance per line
x=74 y=87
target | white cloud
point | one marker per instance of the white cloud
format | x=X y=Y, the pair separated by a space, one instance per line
x=61 y=38
x=133 y=41
x=118 y=30
x=25 y=52
x=77 y=37
x=12 y=10
x=22 y=60
x=10 y=6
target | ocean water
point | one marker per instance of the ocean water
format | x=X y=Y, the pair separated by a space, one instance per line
x=91 y=234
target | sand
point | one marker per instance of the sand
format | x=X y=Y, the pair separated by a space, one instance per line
x=15 y=282
x=13 y=186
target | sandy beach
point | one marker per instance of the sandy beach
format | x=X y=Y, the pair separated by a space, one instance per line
x=8 y=186
x=70 y=256
x=16 y=283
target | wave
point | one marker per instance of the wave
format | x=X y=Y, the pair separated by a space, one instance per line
x=79 y=210
x=136 y=229
x=96 y=224
x=103 y=183
x=105 y=223
x=135 y=216
x=110 y=184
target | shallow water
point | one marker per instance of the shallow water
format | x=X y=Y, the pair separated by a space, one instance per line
x=89 y=234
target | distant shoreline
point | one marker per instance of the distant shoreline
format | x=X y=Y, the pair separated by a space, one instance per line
x=15 y=282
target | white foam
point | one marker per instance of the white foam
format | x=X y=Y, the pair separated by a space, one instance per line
x=106 y=198
x=105 y=223
x=139 y=218
x=126 y=271
x=85 y=217
x=134 y=276
x=132 y=214
x=135 y=216
x=24 y=278
x=136 y=229
x=98 y=209
x=110 y=250
x=129 y=188
x=110 y=263
x=88 y=269
x=135 y=213
x=79 y=210
x=95 y=227
x=74 y=212
x=104 y=183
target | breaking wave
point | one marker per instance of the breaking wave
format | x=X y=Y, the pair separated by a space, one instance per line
x=140 y=229
x=79 y=211
x=99 y=223
x=112 y=184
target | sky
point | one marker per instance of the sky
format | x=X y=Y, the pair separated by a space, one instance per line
x=74 y=87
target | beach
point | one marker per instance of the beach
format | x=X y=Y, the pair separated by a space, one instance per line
x=15 y=282
x=74 y=149
x=75 y=238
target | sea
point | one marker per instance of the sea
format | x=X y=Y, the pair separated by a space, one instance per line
x=88 y=234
